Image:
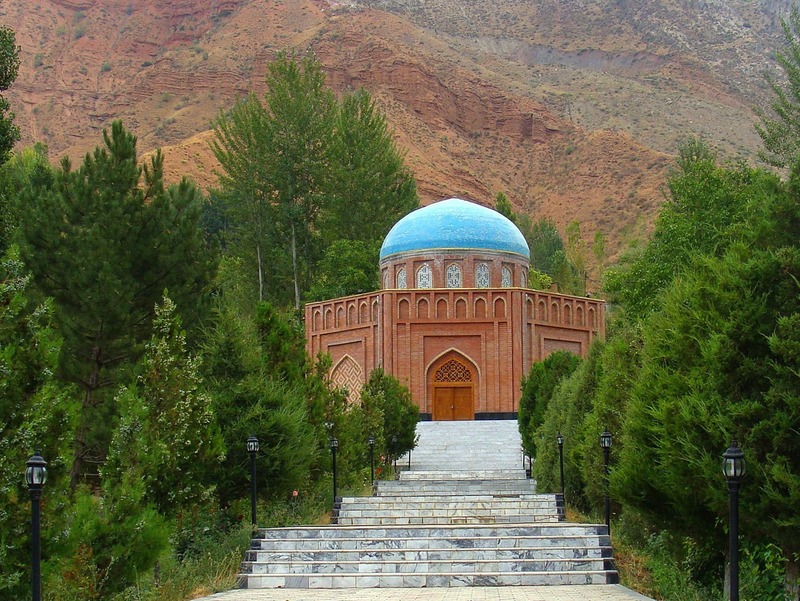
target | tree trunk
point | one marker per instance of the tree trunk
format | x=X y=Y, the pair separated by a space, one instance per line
x=295 y=270
x=260 y=274
x=792 y=576
x=80 y=448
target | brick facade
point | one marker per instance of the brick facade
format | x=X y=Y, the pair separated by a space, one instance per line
x=497 y=333
x=454 y=321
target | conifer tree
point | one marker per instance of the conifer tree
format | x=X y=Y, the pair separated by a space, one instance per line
x=167 y=424
x=104 y=241
x=36 y=413
x=371 y=188
x=9 y=67
x=780 y=128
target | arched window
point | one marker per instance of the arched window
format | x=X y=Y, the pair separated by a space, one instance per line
x=385 y=280
x=425 y=277
x=482 y=276
x=505 y=281
x=454 y=276
x=401 y=278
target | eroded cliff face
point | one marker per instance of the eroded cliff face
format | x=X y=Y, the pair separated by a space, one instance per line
x=475 y=113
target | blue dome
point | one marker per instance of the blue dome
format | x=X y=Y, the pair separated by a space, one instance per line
x=454 y=224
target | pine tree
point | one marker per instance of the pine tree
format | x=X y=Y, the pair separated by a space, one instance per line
x=104 y=241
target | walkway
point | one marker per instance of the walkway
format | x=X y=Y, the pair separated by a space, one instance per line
x=453 y=464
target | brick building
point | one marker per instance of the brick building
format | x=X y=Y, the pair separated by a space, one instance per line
x=454 y=320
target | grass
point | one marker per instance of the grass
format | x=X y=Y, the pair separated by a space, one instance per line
x=211 y=567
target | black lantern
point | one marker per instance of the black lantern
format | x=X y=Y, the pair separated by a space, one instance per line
x=252 y=449
x=371 y=442
x=734 y=468
x=560 y=440
x=35 y=477
x=334 y=447
x=605 y=444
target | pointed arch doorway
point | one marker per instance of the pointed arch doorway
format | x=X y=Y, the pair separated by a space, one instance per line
x=453 y=388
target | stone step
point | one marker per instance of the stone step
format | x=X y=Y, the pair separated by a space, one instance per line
x=477 y=509
x=444 y=579
x=423 y=565
x=474 y=474
x=528 y=551
x=543 y=534
x=416 y=556
x=419 y=488
x=435 y=526
x=433 y=501
x=461 y=516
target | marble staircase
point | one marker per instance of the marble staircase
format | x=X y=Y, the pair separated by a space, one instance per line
x=464 y=514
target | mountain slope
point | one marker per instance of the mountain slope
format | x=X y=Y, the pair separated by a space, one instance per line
x=571 y=107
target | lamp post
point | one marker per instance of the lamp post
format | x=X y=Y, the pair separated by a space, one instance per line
x=372 y=459
x=394 y=453
x=734 y=467
x=35 y=477
x=560 y=440
x=334 y=448
x=252 y=450
x=605 y=443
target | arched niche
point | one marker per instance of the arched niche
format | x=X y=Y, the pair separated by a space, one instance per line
x=480 y=308
x=461 y=309
x=422 y=308
x=500 y=308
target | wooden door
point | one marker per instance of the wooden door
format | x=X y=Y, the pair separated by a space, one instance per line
x=453 y=403
x=462 y=403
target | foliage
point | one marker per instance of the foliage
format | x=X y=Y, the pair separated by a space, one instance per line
x=256 y=372
x=551 y=261
x=716 y=363
x=575 y=276
x=544 y=241
x=503 y=206
x=107 y=541
x=211 y=566
x=780 y=128
x=9 y=67
x=302 y=172
x=537 y=389
x=104 y=241
x=167 y=434
x=289 y=140
x=566 y=412
x=347 y=267
x=706 y=205
x=371 y=188
x=384 y=395
x=539 y=280
x=28 y=168
x=36 y=413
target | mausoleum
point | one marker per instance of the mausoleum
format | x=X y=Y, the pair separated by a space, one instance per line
x=454 y=319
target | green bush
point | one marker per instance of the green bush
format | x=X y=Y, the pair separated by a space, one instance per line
x=108 y=540
x=537 y=388
x=385 y=395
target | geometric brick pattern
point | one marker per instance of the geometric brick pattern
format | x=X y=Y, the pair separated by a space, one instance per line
x=348 y=375
x=453 y=371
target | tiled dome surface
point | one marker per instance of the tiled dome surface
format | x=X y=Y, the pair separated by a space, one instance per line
x=454 y=224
